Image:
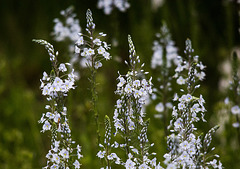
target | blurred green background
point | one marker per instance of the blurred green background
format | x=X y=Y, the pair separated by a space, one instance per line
x=212 y=25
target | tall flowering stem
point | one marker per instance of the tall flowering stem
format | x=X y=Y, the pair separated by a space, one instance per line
x=94 y=51
x=235 y=88
x=106 y=149
x=187 y=149
x=55 y=87
x=129 y=115
x=164 y=61
x=66 y=30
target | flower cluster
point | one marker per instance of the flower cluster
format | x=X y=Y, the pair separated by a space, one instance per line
x=186 y=148
x=53 y=87
x=164 y=51
x=92 y=48
x=235 y=88
x=56 y=86
x=108 y=5
x=66 y=30
x=69 y=28
x=105 y=151
x=164 y=61
x=129 y=115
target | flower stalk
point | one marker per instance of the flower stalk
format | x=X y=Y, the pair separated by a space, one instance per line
x=93 y=50
x=56 y=87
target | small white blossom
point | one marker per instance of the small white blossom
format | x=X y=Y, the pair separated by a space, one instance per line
x=62 y=67
x=101 y=154
x=64 y=153
x=101 y=50
x=130 y=164
x=98 y=64
x=46 y=126
x=181 y=80
x=76 y=164
x=235 y=110
x=159 y=107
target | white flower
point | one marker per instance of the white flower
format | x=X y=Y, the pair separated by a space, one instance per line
x=110 y=157
x=76 y=164
x=169 y=105
x=131 y=125
x=101 y=154
x=144 y=83
x=62 y=67
x=174 y=112
x=226 y=101
x=106 y=55
x=201 y=75
x=181 y=80
x=171 y=166
x=136 y=83
x=55 y=87
x=118 y=125
x=45 y=76
x=57 y=117
x=236 y=125
x=85 y=52
x=119 y=103
x=178 y=123
x=195 y=108
x=80 y=41
x=97 y=41
x=188 y=97
x=201 y=100
x=42 y=119
x=114 y=155
x=130 y=164
x=214 y=163
x=56 y=158
x=181 y=106
x=235 y=110
x=64 y=153
x=46 y=89
x=143 y=166
x=90 y=52
x=179 y=68
x=68 y=84
x=47 y=107
x=192 y=151
x=77 y=49
x=175 y=97
x=159 y=107
x=106 y=46
x=122 y=81
x=46 y=126
x=58 y=81
x=50 y=115
x=54 y=166
x=98 y=64
x=56 y=143
x=137 y=93
x=135 y=150
x=101 y=50
x=128 y=89
x=184 y=145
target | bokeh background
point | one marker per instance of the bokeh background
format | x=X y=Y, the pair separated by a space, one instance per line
x=212 y=25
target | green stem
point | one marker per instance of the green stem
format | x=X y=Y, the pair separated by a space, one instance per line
x=94 y=101
x=164 y=75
